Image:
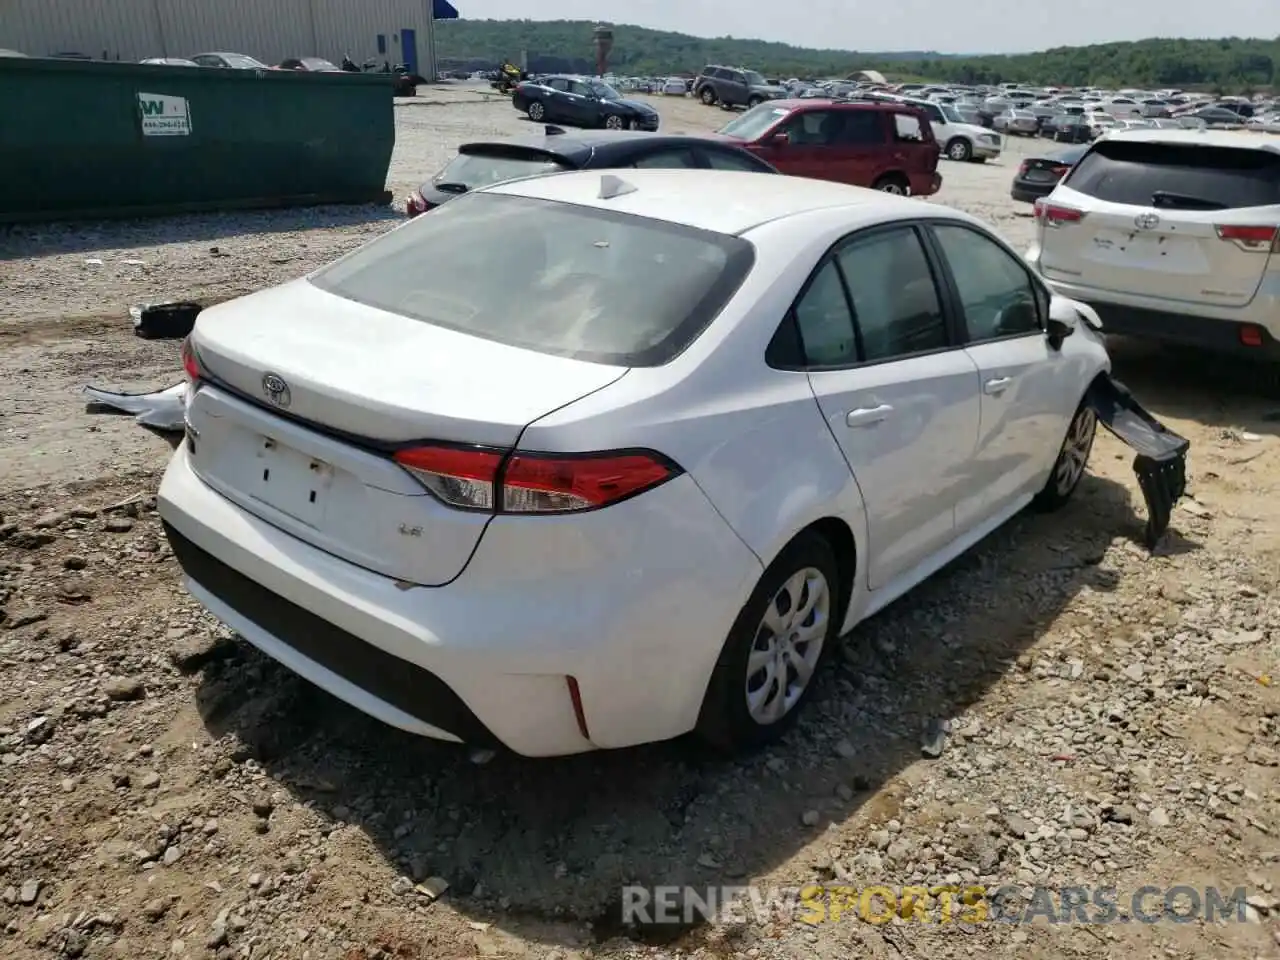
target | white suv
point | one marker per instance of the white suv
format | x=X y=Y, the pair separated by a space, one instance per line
x=959 y=140
x=1171 y=235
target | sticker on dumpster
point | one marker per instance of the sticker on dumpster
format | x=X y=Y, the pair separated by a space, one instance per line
x=164 y=116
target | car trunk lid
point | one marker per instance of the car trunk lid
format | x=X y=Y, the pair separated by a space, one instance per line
x=309 y=394
x=1188 y=223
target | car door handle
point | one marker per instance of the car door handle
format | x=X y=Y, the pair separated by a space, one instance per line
x=996 y=385
x=866 y=416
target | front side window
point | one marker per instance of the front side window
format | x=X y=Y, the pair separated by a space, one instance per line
x=997 y=295
x=576 y=281
x=895 y=302
x=752 y=124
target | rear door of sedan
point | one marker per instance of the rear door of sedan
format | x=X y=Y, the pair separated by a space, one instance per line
x=896 y=388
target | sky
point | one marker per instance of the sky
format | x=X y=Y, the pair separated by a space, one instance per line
x=948 y=26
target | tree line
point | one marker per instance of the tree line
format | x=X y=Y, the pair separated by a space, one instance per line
x=1230 y=64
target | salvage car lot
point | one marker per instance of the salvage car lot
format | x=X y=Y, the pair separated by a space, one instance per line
x=1112 y=717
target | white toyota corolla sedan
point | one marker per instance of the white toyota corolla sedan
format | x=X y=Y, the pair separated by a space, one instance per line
x=584 y=461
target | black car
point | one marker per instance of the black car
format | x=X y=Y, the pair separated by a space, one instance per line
x=583 y=102
x=487 y=162
x=1038 y=176
x=1071 y=129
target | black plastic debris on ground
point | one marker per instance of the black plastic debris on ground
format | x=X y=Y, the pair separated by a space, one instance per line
x=164 y=321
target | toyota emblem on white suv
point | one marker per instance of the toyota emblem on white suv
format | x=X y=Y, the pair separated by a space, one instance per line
x=276 y=390
x=1146 y=221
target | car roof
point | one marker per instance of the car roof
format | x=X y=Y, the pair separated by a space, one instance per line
x=729 y=202
x=1239 y=139
x=578 y=146
x=815 y=103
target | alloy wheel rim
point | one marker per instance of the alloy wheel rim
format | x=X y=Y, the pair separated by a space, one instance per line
x=535 y=111
x=1075 y=451
x=957 y=151
x=787 y=646
x=613 y=123
x=895 y=188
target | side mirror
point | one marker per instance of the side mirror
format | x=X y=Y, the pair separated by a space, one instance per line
x=1062 y=322
x=780 y=139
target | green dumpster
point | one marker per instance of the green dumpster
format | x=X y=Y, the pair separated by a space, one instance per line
x=96 y=139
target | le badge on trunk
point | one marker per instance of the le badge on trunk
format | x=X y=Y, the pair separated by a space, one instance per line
x=1161 y=461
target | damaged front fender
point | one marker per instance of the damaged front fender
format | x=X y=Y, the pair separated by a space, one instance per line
x=1161 y=460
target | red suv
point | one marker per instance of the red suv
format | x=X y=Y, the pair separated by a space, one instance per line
x=885 y=146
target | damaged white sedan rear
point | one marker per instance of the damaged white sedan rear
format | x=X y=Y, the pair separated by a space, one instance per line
x=636 y=475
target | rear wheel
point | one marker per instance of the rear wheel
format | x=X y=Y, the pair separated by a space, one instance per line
x=754 y=102
x=894 y=183
x=1073 y=457
x=780 y=640
x=959 y=150
x=707 y=96
x=537 y=111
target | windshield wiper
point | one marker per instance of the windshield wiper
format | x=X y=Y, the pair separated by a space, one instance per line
x=450 y=187
x=1185 y=201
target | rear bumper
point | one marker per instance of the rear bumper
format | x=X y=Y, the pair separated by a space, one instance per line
x=633 y=602
x=1027 y=192
x=1219 y=336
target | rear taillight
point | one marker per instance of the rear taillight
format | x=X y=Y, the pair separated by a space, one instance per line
x=1054 y=215
x=1060 y=170
x=190 y=361
x=477 y=478
x=1256 y=239
x=415 y=204
x=1023 y=168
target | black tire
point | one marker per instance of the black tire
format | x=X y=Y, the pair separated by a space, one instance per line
x=725 y=721
x=615 y=121
x=754 y=102
x=708 y=96
x=894 y=183
x=1063 y=479
x=959 y=150
x=537 y=112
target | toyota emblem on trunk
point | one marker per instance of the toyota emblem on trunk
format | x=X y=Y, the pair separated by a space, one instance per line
x=276 y=390
x=1146 y=221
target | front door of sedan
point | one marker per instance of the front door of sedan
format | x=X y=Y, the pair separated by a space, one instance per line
x=581 y=105
x=1029 y=390
x=900 y=398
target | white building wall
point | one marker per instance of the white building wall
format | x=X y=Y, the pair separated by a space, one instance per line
x=269 y=30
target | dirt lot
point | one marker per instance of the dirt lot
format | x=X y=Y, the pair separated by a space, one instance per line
x=168 y=792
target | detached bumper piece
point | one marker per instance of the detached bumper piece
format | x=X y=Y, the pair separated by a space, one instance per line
x=1161 y=461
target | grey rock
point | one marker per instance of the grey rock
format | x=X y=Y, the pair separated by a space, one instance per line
x=29 y=892
x=124 y=689
x=149 y=780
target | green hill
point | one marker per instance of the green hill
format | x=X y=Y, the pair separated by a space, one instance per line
x=1233 y=63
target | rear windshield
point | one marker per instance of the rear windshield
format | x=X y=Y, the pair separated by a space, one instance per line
x=475 y=170
x=1169 y=174
x=558 y=278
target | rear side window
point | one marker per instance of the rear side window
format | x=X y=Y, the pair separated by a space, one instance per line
x=1178 y=175
x=475 y=170
x=861 y=128
x=895 y=302
x=575 y=281
x=907 y=127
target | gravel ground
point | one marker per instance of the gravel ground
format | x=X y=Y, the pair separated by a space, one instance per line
x=1093 y=715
